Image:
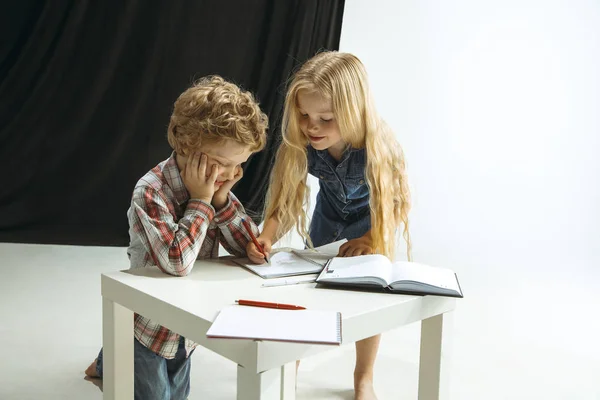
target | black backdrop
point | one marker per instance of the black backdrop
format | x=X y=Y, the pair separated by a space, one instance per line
x=87 y=87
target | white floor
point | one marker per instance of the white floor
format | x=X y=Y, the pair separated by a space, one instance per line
x=523 y=337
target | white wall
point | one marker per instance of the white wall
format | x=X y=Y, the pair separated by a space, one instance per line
x=497 y=105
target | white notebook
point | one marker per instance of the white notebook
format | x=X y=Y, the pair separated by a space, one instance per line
x=257 y=323
x=291 y=262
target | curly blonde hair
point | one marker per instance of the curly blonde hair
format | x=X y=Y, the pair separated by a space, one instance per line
x=212 y=110
x=342 y=78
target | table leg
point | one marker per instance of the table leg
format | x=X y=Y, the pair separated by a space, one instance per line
x=258 y=386
x=117 y=338
x=288 y=381
x=433 y=384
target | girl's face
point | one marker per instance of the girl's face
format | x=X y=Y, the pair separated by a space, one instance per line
x=318 y=123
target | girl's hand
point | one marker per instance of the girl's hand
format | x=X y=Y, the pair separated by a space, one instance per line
x=356 y=247
x=220 y=198
x=254 y=254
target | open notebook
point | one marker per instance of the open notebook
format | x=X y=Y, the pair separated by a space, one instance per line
x=302 y=326
x=291 y=262
x=378 y=272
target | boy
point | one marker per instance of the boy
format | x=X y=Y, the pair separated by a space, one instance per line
x=182 y=209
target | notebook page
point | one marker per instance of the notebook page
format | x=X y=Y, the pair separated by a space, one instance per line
x=331 y=249
x=411 y=271
x=320 y=255
x=306 y=326
x=281 y=264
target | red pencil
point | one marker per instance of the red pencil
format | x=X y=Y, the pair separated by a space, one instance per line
x=258 y=246
x=265 y=304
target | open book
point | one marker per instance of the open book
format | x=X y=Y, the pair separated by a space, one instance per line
x=291 y=262
x=378 y=272
x=302 y=326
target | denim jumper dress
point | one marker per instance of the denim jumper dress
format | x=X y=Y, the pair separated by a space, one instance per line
x=342 y=209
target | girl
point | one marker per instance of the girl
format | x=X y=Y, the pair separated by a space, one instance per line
x=332 y=131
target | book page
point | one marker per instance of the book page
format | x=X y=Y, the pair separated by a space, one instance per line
x=373 y=268
x=308 y=326
x=421 y=273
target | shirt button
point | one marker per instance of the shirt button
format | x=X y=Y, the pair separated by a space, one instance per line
x=361 y=181
x=335 y=233
x=321 y=177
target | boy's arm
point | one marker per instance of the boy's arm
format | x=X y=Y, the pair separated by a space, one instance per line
x=173 y=246
x=234 y=236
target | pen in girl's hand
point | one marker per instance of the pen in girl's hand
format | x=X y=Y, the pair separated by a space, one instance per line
x=258 y=246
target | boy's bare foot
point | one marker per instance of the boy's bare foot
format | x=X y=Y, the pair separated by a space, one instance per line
x=91 y=370
x=364 y=391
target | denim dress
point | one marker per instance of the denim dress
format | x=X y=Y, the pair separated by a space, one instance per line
x=342 y=209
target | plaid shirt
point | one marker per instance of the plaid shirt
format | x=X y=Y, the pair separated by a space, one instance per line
x=169 y=230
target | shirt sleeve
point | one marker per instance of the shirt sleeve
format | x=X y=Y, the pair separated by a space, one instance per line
x=172 y=245
x=234 y=237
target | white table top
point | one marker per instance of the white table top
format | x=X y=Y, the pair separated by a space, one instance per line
x=188 y=305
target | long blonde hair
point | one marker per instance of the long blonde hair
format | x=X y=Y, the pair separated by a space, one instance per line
x=342 y=78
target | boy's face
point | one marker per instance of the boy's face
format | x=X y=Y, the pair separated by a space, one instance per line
x=228 y=155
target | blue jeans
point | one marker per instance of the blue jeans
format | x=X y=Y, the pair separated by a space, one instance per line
x=158 y=378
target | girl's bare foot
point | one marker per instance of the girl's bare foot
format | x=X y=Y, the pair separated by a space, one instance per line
x=91 y=370
x=364 y=391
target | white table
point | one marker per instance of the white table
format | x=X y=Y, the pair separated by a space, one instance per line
x=266 y=370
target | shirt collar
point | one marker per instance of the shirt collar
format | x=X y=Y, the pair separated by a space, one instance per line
x=325 y=156
x=174 y=180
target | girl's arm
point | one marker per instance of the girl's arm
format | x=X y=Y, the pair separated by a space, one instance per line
x=270 y=230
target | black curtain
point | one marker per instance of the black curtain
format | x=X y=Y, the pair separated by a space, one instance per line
x=87 y=88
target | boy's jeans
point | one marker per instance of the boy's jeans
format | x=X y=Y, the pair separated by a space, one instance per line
x=157 y=378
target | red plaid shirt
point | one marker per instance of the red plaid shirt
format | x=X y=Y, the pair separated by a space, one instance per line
x=169 y=230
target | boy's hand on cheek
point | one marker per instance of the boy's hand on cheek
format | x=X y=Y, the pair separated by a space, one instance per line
x=194 y=177
x=220 y=198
